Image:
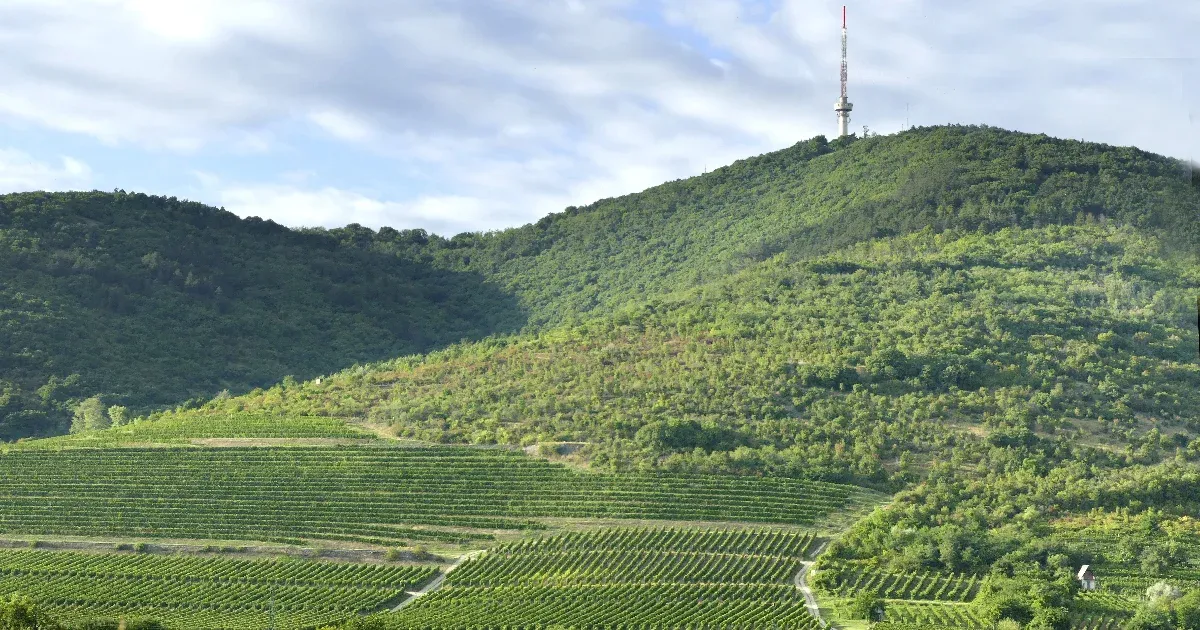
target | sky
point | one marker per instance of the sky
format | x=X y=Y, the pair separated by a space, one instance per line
x=472 y=115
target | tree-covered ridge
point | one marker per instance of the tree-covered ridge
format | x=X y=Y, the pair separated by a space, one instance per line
x=854 y=366
x=150 y=301
x=815 y=197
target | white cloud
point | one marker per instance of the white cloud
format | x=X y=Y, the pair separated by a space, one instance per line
x=341 y=125
x=506 y=110
x=332 y=207
x=20 y=172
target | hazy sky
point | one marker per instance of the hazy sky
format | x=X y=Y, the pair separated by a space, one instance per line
x=457 y=115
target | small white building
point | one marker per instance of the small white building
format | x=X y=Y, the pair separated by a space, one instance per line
x=1087 y=579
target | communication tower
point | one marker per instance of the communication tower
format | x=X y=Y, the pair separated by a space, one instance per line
x=843 y=106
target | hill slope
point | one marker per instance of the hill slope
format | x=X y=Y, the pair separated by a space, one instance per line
x=999 y=327
x=833 y=367
x=812 y=198
x=149 y=301
x=1038 y=365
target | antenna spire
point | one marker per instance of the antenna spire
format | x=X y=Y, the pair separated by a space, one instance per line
x=843 y=107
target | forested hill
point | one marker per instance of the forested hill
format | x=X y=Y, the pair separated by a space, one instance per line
x=148 y=301
x=814 y=197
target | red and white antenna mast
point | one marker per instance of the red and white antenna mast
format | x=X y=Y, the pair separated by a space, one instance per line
x=843 y=107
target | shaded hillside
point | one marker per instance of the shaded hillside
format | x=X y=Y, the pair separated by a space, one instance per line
x=148 y=300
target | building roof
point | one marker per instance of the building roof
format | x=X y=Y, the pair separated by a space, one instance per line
x=1084 y=571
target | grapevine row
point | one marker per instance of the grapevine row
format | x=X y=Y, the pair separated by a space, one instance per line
x=844 y=580
x=201 y=592
x=629 y=577
x=364 y=494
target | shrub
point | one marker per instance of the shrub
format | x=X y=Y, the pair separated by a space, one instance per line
x=867 y=605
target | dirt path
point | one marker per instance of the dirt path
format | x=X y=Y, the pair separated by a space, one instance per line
x=435 y=582
x=810 y=600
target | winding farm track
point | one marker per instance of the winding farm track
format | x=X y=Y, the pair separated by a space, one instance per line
x=435 y=582
x=810 y=600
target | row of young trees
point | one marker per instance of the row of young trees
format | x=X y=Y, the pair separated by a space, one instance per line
x=90 y=415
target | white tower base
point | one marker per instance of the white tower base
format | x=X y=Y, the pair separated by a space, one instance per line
x=843 y=108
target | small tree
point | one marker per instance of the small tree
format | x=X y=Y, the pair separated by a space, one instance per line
x=21 y=613
x=1151 y=618
x=1009 y=606
x=89 y=416
x=118 y=415
x=1162 y=592
x=867 y=605
x=1187 y=611
x=1051 y=619
x=1154 y=560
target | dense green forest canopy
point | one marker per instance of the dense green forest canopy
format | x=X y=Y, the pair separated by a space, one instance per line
x=148 y=301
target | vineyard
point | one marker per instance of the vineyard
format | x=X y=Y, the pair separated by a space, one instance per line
x=372 y=495
x=843 y=580
x=630 y=578
x=1091 y=611
x=203 y=592
x=184 y=428
x=934 y=614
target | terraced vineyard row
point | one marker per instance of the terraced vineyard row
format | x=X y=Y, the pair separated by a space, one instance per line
x=640 y=606
x=934 y=615
x=381 y=495
x=901 y=625
x=1122 y=584
x=1095 y=621
x=182 y=428
x=631 y=578
x=194 y=592
x=634 y=556
x=845 y=580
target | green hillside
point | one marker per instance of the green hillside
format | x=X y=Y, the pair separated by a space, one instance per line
x=1027 y=357
x=997 y=329
x=812 y=198
x=846 y=367
x=149 y=301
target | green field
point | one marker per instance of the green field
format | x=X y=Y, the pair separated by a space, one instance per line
x=383 y=496
x=629 y=578
x=203 y=592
